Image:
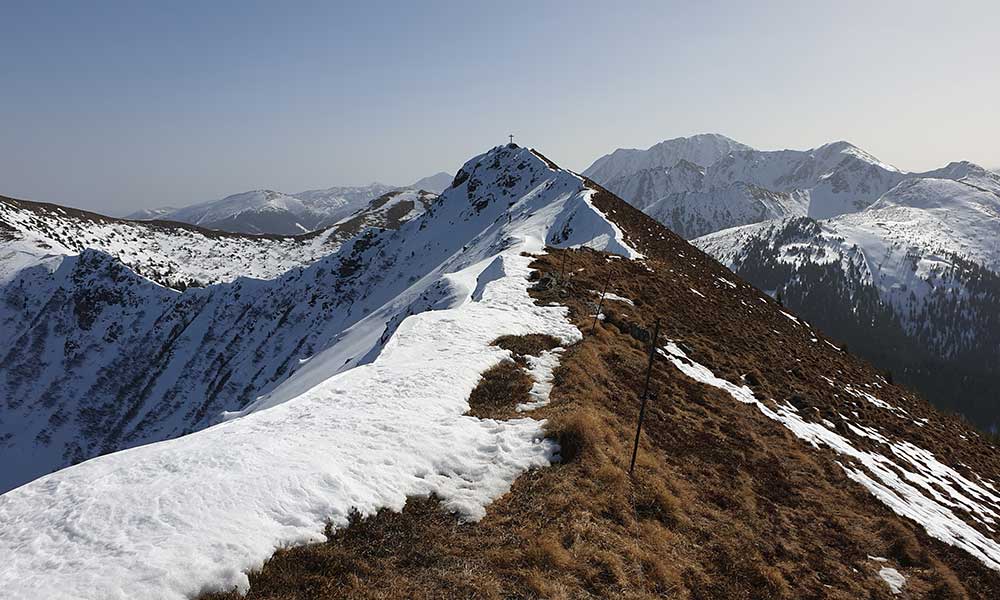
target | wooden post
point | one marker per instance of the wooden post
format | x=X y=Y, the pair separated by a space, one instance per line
x=593 y=327
x=645 y=394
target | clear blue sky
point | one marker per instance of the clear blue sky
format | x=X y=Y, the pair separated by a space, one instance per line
x=115 y=106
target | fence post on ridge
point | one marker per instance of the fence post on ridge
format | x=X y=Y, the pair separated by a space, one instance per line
x=645 y=394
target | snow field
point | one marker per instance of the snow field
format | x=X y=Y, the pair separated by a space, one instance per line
x=174 y=518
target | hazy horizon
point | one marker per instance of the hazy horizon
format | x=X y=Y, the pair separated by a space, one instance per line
x=116 y=106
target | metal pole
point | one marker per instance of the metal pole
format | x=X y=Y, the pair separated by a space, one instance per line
x=645 y=394
x=593 y=327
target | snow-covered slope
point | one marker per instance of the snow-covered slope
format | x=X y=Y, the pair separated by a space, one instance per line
x=100 y=358
x=268 y=211
x=922 y=261
x=929 y=216
x=277 y=213
x=692 y=213
x=436 y=183
x=170 y=253
x=366 y=422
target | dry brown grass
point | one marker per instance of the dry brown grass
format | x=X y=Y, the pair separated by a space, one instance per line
x=500 y=390
x=725 y=503
x=504 y=386
x=532 y=344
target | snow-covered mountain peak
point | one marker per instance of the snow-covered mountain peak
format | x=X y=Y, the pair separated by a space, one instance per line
x=436 y=183
x=234 y=205
x=390 y=333
x=702 y=149
x=829 y=180
x=267 y=211
x=507 y=198
x=940 y=194
x=968 y=173
x=843 y=149
x=528 y=197
x=958 y=169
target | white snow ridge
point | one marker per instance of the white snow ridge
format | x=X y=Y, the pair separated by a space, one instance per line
x=175 y=518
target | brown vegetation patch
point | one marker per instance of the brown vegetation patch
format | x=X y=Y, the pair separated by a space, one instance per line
x=500 y=390
x=532 y=344
x=505 y=385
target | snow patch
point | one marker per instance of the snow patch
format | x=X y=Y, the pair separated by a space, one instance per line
x=893 y=578
x=616 y=297
x=541 y=369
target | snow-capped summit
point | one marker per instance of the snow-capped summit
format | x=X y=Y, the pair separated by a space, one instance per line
x=247 y=211
x=436 y=183
x=969 y=173
x=844 y=148
x=151 y=214
x=702 y=150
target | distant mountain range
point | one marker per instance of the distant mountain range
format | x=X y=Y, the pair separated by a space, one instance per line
x=175 y=254
x=709 y=182
x=273 y=212
x=903 y=267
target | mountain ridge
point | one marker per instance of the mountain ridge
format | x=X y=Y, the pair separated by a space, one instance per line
x=772 y=461
x=270 y=212
x=103 y=358
x=173 y=253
